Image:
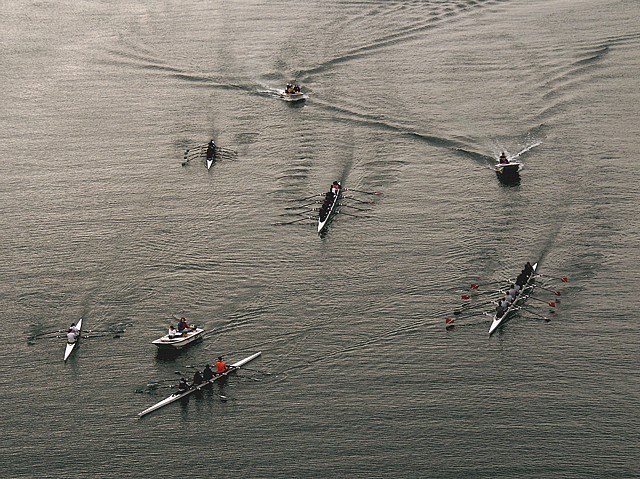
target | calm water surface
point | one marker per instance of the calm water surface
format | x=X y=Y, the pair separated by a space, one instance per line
x=358 y=376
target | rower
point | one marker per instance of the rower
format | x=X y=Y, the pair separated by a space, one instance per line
x=503 y=159
x=197 y=378
x=172 y=332
x=221 y=366
x=183 y=386
x=335 y=187
x=513 y=291
x=211 y=149
x=528 y=269
x=207 y=373
x=71 y=336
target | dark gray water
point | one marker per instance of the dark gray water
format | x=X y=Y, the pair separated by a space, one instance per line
x=358 y=377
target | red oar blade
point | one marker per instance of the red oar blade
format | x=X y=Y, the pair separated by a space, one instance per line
x=465 y=296
x=474 y=286
x=564 y=279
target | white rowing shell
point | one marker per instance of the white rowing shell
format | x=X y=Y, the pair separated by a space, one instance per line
x=176 y=396
x=70 y=346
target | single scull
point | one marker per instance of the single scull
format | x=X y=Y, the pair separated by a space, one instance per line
x=71 y=346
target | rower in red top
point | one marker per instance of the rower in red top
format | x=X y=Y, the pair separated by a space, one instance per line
x=221 y=366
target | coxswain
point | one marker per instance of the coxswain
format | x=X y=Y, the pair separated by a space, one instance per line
x=221 y=366
x=335 y=187
x=207 y=373
x=183 y=386
x=172 y=332
x=503 y=159
x=197 y=378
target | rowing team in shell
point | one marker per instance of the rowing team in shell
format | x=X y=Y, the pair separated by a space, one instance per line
x=515 y=289
x=206 y=375
x=328 y=198
x=72 y=334
x=183 y=329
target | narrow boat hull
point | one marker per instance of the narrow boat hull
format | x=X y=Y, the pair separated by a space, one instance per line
x=176 y=396
x=520 y=299
x=71 y=346
x=323 y=223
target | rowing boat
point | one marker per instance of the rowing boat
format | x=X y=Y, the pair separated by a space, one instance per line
x=71 y=346
x=211 y=155
x=179 y=341
x=527 y=289
x=176 y=396
x=326 y=212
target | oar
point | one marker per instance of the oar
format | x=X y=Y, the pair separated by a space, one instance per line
x=535 y=314
x=564 y=279
x=308 y=197
x=552 y=304
x=469 y=307
x=44 y=334
x=357 y=200
x=349 y=214
x=478 y=285
x=354 y=207
x=377 y=193
x=477 y=295
x=557 y=293
x=294 y=221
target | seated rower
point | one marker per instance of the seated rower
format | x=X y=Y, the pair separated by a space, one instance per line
x=211 y=150
x=221 y=366
x=183 y=386
x=72 y=336
x=207 y=373
x=503 y=159
x=197 y=378
x=172 y=332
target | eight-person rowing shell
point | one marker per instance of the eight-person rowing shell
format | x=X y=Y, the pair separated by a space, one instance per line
x=514 y=290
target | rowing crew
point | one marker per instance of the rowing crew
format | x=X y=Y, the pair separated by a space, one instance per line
x=72 y=334
x=329 y=199
x=514 y=290
x=183 y=329
x=211 y=150
x=207 y=374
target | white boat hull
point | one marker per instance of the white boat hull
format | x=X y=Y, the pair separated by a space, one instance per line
x=71 y=346
x=179 y=342
x=323 y=224
x=176 y=396
x=293 y=96
x=520 y=299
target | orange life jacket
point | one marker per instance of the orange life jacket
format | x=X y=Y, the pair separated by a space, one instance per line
x=221 y=367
